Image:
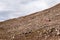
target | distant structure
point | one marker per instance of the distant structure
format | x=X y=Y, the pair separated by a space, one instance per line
x=43 y=25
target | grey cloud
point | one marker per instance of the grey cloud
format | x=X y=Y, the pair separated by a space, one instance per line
x=16 y=8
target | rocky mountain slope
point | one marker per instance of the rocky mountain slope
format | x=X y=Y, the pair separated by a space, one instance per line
x=43 y=25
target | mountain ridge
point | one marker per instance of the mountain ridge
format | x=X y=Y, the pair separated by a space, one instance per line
x=44 y=25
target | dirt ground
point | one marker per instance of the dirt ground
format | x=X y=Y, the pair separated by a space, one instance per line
x=43 y=25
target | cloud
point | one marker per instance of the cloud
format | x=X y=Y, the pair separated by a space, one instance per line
x=2 y=6
x=17 y=8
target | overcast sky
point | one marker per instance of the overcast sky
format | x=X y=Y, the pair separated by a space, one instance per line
x=17 y=8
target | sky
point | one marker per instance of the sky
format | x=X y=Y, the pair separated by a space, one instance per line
x=10 y=9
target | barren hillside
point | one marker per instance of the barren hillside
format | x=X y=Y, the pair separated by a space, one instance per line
x=43 y=25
